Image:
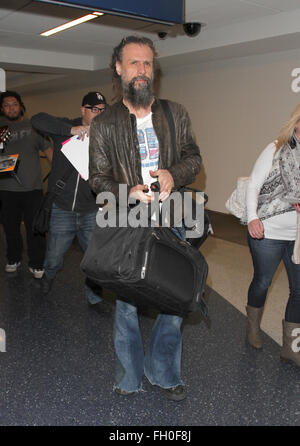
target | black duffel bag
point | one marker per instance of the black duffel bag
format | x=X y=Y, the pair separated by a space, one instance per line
x=148 y=266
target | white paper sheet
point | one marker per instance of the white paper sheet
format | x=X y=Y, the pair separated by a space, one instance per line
x=77 y=152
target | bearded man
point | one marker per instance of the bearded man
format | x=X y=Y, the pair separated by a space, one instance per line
x=131 y=145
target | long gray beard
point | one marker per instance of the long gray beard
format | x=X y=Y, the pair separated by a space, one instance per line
x=138 y=97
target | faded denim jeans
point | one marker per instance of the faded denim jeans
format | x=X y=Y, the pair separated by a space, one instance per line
x=266 y=256
x=161 y=363
x=64 y=226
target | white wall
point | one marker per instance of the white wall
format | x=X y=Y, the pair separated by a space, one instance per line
x=237 y=107
x=65 y=103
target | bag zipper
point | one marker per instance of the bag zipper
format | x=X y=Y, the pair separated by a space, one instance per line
x=75 y=193
x=144 y=267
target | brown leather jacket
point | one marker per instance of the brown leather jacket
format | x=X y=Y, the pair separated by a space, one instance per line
x=114 y=148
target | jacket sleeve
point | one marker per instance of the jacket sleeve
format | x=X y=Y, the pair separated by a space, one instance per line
x=185 y=170
x=42 y=143
x=101 y=175
x=51 y=125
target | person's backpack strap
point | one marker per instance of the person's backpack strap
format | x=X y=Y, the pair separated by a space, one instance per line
x=168 y=114
x=61 y=183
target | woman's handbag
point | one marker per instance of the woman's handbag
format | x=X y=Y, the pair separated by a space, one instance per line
x=236 y=203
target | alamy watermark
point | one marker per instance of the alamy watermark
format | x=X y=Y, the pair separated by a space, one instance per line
x=179 y=208
x=296 y=342
x=295 y=86
x=2 y=341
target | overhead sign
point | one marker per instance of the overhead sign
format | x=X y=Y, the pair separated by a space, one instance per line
x=162 y=11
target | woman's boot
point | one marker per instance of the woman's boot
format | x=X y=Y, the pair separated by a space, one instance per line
x=253 y=327
x=290 y=342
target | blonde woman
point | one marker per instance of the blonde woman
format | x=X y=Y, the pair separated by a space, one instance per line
x=273 y=198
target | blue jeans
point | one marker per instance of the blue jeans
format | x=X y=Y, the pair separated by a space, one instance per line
x=64 y=226
x=266 y=256
x=162 y=362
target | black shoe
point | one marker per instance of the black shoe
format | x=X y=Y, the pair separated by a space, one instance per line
x=46 y=285
x=124 y=392
x=101 y=307
x=176 y=393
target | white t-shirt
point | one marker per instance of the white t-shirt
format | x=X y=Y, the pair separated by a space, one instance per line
x=282 y=226
x=149 y=149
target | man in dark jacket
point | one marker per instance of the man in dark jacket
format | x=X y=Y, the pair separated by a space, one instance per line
x=74 y=209
x=131 y=144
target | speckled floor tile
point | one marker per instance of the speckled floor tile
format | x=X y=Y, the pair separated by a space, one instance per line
x=59 y=364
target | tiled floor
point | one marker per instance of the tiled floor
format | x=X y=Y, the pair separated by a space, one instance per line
x=227 y=227
x=59 y=363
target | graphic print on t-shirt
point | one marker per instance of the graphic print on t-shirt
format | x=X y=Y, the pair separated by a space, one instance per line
x=149 y=150
x=142 y=143
x=152 y=144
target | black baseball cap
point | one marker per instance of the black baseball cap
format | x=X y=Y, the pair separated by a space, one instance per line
x=93 y=98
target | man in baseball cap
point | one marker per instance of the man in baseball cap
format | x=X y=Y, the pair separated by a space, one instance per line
x=92 y=105
x=93 y=98
x=74 y=209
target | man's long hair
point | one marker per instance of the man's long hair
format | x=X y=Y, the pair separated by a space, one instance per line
x=14 y=94
x=117 y=57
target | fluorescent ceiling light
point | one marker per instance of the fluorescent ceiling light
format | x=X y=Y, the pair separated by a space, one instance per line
x=75 y=22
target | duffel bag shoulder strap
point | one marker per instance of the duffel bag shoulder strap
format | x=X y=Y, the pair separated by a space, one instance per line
x=169 y=116
x=61 y=183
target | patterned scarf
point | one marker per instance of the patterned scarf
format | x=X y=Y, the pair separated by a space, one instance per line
x=282 y=186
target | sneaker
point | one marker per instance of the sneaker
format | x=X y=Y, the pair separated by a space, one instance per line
x=37 y=272
x=12 y=267
x=174 y=393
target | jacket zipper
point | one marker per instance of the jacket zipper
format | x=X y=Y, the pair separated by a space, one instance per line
x=75 y=193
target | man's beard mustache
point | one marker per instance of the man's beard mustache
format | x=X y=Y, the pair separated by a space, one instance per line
x=14 y=118
x=141 y=96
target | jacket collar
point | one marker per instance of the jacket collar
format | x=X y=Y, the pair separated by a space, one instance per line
x=154 y=105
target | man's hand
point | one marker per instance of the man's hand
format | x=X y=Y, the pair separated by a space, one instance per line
x=166 y=182
x=138 y=193
x=256 y=229
x=81 y=131
x=297 y=207
x=49 y=153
